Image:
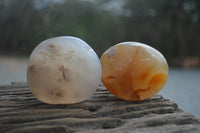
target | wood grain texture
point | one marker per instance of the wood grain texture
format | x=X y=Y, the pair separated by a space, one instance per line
x=21 y=112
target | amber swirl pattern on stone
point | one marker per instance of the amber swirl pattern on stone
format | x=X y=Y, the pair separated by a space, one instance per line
x=133 y=71
x=63 y=70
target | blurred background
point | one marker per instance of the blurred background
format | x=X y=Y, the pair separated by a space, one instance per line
x=172 y=27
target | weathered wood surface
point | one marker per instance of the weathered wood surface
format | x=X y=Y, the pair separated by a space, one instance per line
x=20 y=112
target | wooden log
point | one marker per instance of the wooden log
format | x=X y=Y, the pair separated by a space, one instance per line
x=21 y=112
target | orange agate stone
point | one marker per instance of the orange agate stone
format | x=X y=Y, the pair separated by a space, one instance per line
x=133 y=71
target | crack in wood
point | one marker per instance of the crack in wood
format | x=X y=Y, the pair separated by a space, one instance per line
x=21 y=112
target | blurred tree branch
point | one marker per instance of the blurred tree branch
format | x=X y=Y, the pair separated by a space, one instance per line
x=173 y=27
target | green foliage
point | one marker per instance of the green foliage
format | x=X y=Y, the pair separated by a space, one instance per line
x=173 y=27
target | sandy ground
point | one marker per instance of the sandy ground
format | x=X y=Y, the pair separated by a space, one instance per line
x=183 y=86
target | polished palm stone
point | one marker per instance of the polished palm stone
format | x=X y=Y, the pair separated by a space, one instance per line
x=63 y=70
x=133 y=71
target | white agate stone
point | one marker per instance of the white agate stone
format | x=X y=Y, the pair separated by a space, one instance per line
x=63 y=70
